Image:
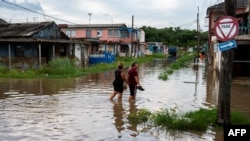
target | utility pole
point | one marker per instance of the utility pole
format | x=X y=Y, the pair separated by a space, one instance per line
x=225 y=75
x=132 y=35
x=196 y=58
x=198 y=35
x=89 y=17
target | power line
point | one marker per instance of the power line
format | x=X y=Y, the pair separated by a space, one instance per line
x=36 y=12
x=188 y=24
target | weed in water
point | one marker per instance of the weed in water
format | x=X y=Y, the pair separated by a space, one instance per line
x=199 y=120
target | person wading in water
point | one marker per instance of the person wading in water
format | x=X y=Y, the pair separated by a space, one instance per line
x=133 y=81
x=120 y=77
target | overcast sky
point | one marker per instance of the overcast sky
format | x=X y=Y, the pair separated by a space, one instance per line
x=154 y=13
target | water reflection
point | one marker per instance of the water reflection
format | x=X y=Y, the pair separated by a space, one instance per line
x=133 y=126
x=12 y=87
x=118 y=111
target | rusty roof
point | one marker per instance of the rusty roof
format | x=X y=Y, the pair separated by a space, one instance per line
x=21 y=29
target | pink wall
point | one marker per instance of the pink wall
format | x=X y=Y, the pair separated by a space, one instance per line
x=81 y=33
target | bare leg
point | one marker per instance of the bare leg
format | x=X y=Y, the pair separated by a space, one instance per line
x=131 y=98
x=119 y=96
x=113 y=95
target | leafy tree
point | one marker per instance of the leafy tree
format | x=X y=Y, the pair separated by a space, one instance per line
x=174 y=36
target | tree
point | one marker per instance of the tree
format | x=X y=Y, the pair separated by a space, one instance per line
x=171 y=36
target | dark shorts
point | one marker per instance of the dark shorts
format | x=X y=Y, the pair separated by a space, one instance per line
x=118 y=86
x=132 y=89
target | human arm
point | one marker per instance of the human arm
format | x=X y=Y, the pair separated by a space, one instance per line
x=124 y=77
x=137 y=80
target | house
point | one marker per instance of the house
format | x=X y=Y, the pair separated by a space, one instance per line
x=30 y=45
x=155 y=47
x=142 y=43
x=105 y=40
x=241 y=63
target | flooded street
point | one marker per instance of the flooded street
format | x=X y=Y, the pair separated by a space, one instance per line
x=79 y=109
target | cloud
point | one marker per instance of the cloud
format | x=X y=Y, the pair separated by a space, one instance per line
x=13 y=5
x=154 y=13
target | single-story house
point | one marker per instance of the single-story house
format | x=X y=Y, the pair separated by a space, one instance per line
x=30 y=45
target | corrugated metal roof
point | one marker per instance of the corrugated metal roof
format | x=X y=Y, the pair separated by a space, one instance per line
x=21 y=29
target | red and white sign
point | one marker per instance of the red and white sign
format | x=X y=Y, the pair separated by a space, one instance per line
x=226 y=28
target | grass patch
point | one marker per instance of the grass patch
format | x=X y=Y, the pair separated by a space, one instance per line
x=179 y=63
x=63 y=67
x=199 y=120
x=141 y=116
x=163 y=76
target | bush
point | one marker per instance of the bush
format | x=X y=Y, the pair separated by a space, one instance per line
x=3 y=69
x=61 y=66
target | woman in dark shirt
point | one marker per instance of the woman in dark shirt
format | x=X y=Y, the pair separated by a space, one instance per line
x=120 y=77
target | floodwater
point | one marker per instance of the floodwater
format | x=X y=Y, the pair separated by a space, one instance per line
x=79 y=109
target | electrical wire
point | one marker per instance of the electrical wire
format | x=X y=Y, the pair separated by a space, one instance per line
x=36 y=12
x=188 y=24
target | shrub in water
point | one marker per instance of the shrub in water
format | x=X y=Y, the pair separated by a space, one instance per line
x=62 y=66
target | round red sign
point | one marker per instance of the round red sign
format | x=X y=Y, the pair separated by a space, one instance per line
x=226 y=28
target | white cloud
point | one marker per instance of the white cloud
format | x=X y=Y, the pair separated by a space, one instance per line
x=154 y=13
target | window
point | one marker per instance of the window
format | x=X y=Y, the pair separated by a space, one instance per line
x=88 y=33
x=71 y=33
x=99 y=33
x=68 y=33
x=124 y=34
x=110 y=32
x=113 y=32
x=116 y=33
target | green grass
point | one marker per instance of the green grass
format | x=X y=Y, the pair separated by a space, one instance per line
x=140 y=116
x=179 y=63
x=63 y=67
x=199 y=120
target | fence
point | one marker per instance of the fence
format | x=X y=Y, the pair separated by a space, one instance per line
x=101 y=58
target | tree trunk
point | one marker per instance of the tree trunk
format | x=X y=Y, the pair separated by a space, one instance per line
x=225 y=78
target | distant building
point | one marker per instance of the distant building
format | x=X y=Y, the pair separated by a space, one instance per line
x=106 y=39
x=156 y=47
